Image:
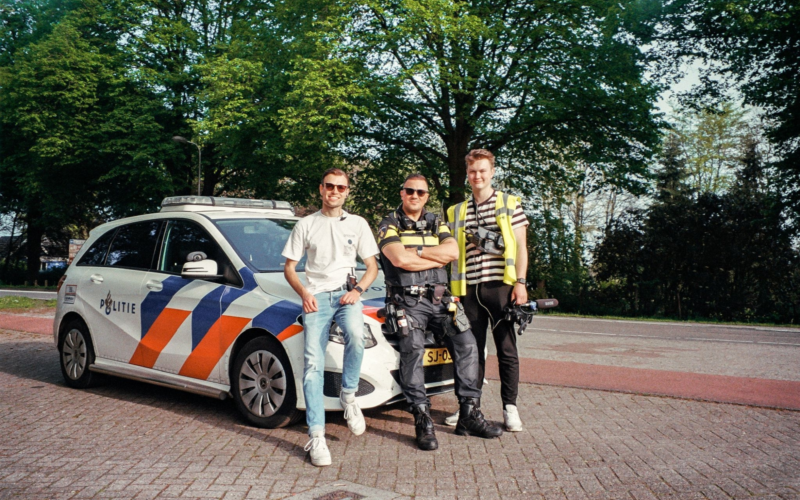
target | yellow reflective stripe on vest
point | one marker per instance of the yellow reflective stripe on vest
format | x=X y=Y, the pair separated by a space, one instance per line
x=457 y=215
x=504 y=212
x=415 y=240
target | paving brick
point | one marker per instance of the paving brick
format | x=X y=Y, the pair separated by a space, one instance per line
x=139 y=441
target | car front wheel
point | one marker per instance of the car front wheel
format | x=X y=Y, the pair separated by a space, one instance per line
x=77 y=354
x=263 y=385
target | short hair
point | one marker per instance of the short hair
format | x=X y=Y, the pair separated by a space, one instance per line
x=334 y=171
x=414 y=176
x=479 y=154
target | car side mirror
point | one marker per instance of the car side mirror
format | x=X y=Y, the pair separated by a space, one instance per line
x=203 y=269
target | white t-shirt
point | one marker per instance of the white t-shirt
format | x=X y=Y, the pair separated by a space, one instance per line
x=331 y=244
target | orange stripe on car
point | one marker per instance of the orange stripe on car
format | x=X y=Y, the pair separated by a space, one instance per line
x=290 y=331
x=372 y=312
x=208 y=352
x=158 y=336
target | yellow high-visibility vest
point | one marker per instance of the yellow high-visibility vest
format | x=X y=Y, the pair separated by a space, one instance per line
x=457 y=220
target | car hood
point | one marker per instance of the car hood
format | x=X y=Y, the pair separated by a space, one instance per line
x=275 y=284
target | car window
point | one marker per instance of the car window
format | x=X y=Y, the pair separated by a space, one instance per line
x=183 y=237
x=134 y=245
x=96 y=254
x=259 y=242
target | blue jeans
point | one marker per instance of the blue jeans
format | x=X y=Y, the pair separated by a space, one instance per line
x=350 y=319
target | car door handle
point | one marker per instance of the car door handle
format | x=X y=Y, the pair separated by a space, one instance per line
x=154 y=285
x=96 y=278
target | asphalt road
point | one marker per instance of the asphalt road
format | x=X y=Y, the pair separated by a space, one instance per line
x=28 y=293
x=743 y=351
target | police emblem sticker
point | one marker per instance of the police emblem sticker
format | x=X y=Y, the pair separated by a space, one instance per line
x=382 y=232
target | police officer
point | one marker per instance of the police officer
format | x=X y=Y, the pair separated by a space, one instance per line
x=490 y=229
x=415 y=245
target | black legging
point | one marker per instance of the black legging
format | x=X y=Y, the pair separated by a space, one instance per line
x=484 y=305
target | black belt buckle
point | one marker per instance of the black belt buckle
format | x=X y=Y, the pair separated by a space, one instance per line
x=415 y=290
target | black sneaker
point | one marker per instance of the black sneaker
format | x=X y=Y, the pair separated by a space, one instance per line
x=472 y=423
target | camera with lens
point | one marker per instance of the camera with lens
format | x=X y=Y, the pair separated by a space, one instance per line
x=488 y=241
x=520 y=313
x=523 y=313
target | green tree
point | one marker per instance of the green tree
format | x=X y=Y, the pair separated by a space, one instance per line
x=711 y=140
x=747 y=46
x=80 y=141
x=715 y=255
x=421 y=83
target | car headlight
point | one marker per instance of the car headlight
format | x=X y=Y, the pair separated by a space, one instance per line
x=337 y=335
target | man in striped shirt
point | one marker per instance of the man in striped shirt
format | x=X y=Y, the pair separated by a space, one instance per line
x=489 y=277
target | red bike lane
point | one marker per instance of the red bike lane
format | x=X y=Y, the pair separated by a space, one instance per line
x=768 y=393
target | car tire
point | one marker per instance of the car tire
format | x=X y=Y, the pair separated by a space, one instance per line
x=76 y=354
x=262 y=384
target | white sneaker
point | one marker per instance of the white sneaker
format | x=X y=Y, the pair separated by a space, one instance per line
x=452 y=420
x=511 y=418
x=352 y=413
x=318 y=449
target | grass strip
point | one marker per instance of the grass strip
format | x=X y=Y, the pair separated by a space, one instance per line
x=668 y=320
x=15 y=302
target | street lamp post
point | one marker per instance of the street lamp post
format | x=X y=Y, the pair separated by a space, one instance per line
x=184 y=140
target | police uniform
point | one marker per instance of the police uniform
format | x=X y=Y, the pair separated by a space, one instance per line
x=424 y=298
x=426 y=303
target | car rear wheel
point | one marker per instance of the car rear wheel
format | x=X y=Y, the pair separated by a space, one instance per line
x=77 y=355
x=263 y=385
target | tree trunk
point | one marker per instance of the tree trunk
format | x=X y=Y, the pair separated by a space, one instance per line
x=33 y=247
x=457 y=168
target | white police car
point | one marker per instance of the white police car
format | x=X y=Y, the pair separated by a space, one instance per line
x=194 y=298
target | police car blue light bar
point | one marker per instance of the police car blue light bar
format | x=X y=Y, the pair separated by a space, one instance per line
x=217 y=201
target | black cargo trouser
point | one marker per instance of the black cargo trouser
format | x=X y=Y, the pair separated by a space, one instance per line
x=422 y=314
x=484 y=305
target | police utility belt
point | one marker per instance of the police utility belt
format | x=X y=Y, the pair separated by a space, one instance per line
x=435 y=293
x=399 y=323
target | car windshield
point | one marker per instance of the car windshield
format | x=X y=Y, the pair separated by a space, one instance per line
x=259 y=242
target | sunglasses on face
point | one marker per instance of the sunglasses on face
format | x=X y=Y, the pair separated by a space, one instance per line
x=411 y=191
x=340 y=187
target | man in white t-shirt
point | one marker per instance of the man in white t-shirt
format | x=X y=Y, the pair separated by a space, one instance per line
x=331 y=238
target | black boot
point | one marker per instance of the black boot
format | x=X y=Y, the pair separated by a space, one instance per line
x=423 y=424
x=472 y=423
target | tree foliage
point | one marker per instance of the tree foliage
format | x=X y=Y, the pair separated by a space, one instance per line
x=711 y=139
x=748 y=46
x=80 y=141
x=422 y=82
x=725 y=255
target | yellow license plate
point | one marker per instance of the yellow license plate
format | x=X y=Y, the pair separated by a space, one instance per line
x=438 y=356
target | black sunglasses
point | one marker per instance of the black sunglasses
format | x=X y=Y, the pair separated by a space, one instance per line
x=410 y=191
x=330 y=187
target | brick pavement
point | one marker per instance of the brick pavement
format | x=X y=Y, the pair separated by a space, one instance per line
x=130 y=440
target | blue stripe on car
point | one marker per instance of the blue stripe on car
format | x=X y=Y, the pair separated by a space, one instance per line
x=155 y=302
x=276 y=318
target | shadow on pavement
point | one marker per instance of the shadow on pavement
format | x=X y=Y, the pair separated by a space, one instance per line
x=36 y=363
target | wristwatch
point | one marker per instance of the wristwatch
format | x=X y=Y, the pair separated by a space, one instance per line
x=419 y=251
x=522 y=281
x=360 y=290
